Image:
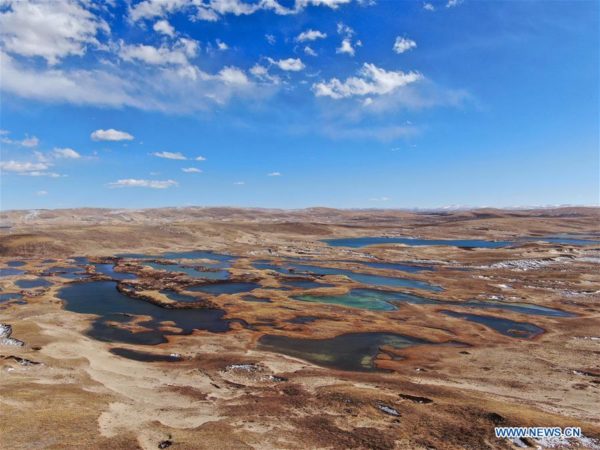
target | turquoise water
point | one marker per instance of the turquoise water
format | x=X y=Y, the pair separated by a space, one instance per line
x=386 y=301
x=352 y=351
x=306 y=284
x=503 y=326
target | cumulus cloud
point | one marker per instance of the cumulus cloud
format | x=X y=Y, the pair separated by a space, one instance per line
x=191 y=170
x=428 y=7
x=453 y=3
x=66 y=153
x=289 y=64
x=50 y=30
x=310 y=35
x=134 y=182
x=403 y=45
x=274 y=174
x=111 y=135
x=222 y=45
x=200 y=158
x=346 y=47
x=372 y=80
x=169 y=155
x=164 y=27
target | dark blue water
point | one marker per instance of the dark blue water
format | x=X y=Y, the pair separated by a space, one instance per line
x=70 y=273
x=366 y=241
x=225 y=288
x=387 y=301
x=15 y=263
x=376 y=280
x=7 y=272
x=6 y=297
x=252 y=298
x=176 y=296
x=144 y=356
x=102 y=298
x=352 y=351
x=303 y=319
x=465 y=243
x=306 y=284
x=503 y=326
x=29 y=284
x=109 y=270
x=192 y=272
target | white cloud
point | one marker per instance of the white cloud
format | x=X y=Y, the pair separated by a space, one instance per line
x=271 y=39
x=262 y=73
x=428 y=6
x=111 y=135
x=191 y=170
x=380 y=199
x=16 y=166
x=37 y=173
x=29 y=142
x=177 y=54
x=41 y=193
x=233 y=76
x=310 y=35
x=173 y=88
x=346 y=47
x=213 y=10
x=274 y=174
x=403 y=45
x=372 y=80
x=164 y=27
x=289 y=64
x=309 y=51
x=133 y=182
x=344 y=29
x=239 y=183
x=222 y=45
x=49 y=29
x=200 y=158
x=453 y=3
x=169 y=155
x=67 y=153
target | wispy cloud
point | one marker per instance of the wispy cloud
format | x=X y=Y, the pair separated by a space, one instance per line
x=41 y=193
x=239 y=183
x=310 y=35
x=29 y=142
x=169 y=155
x=134 y=182
x=191 y=170
x=274 y=174
x=66 y=153
x=111 y=135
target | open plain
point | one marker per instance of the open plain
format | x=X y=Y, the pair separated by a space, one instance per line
x=193 y=328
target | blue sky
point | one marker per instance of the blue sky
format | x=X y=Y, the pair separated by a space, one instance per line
x=297 y=103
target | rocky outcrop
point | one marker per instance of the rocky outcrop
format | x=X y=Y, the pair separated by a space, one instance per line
x=5 y=339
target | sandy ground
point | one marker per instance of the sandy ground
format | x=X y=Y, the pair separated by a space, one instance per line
x=64 y=389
